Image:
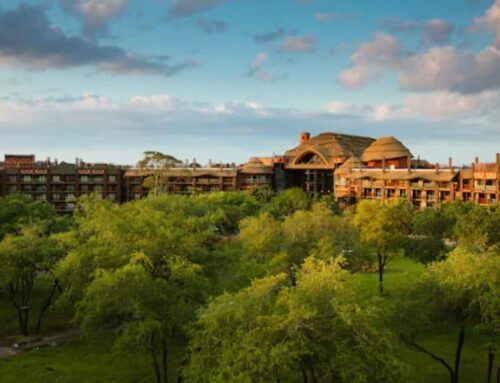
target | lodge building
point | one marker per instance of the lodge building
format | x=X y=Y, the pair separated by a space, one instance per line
x=351 y=168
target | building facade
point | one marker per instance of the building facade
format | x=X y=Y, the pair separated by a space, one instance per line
x=59 y=183
x=351 y=168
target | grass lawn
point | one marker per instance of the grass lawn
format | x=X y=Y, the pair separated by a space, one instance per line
x=84 y=360
x=441 y=340
x=91 y=361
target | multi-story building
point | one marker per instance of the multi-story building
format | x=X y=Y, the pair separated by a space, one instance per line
x=352 y=168
x=58 y=183
x=183 y=180
x=386 y=171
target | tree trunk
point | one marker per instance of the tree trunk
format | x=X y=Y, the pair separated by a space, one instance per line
x=156 y=368
x=304 y=373
x=380 y=272
x=46 y=305
x=491 y=360
x=458 y=353
x=164 y=359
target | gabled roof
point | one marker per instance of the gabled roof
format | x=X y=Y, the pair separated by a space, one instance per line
x=332 y=148
x=385 y=147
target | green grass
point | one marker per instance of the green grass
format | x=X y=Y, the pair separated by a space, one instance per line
x=441 y=340
x=84 y=360
x=91 y=361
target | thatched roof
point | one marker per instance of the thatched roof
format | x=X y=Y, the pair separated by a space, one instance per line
x=352 y=163
x=255 y=166
x=326 y=151
x=385 y=147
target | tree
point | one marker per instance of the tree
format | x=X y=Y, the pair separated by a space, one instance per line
x=145 y=311
x=24 y=258
x=18 y=210
x=286 y=202
x=157 y=164
x=273 y=331
x=264 y=193
x=476 y=227
x=463 y=290
x=383 y=227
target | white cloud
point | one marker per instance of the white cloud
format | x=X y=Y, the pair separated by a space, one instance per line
x=490 y=21
x=442 y=68
x=371 y=59
x=436 y=106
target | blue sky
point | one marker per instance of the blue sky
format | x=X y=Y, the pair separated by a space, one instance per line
x=228 y=79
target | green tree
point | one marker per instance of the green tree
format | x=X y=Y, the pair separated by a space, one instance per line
x=19 y=210
x=288 y=201
x=264 y=194
x=145 y=311
x=461 y=291
x=476 y=227
x=383 y=227
x=24 y=258
x=273 y=331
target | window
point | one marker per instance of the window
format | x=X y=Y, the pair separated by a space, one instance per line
x=112 y=179
x=310 y=158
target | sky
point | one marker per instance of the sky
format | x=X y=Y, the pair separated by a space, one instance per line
x=224 y=80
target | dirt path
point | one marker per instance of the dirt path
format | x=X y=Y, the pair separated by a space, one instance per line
x=36 y=342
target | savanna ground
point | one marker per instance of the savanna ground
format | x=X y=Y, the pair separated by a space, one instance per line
x=94 y=360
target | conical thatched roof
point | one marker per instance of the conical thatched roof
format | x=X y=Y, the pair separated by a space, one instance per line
x=385 y=147
x=255 y=166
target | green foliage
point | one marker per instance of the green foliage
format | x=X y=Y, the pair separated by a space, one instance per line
x=24 y=257
x=264 y=193
x=272 y=331
x=18 y=210
x=384 y=227
x=463 y=290
x=477 y=227
x=287 y=202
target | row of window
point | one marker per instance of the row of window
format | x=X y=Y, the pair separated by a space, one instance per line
x=57 y=178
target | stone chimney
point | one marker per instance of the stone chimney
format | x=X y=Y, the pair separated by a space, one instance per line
x=303 y=137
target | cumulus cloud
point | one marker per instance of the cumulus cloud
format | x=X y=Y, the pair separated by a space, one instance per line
x=28 y=39
x=490 y=21
x=94 y=13
x=270 y=36
x=371 y=59
x=185 y=8
x=439 y=68
x=299 y=44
